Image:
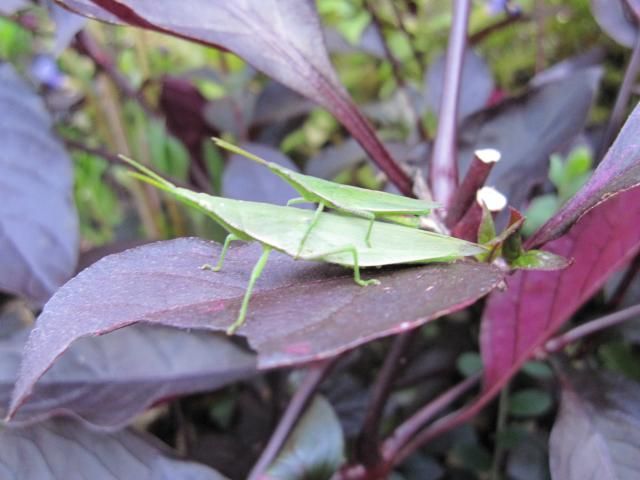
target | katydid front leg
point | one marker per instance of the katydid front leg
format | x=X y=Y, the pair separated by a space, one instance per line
x=356 y=265
x=255 y=274
x=314 y=221
x=227 y=241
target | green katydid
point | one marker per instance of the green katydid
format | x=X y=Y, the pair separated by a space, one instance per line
x=360 y=202
x=335 y=238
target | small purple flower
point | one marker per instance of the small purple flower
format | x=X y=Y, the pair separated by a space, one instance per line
x=45 y=71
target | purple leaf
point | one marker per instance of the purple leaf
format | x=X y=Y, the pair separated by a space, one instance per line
x=38 y=222
x=67 y=25
x=277 y=103
x=245 y=179
x=475 y=89
x=106 y=381
x=64 y=450
x=569 y=66
x=537 y=304
x=617 y=20
x=597 y=431
x=184 y=108
x=300 y=311
x=282 y=38
x=618 y=171
x=527 y=129
x=315 y=447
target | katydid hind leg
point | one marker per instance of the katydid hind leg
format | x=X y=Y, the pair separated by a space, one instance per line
x=227 y=241
x=356 y=265
x=255 y=274
x=314 y=221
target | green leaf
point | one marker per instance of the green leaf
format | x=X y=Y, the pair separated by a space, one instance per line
x=469 y=363
x=530 y=403
x=315 y=448
x=539 y=260
x=538 y=370
x=540 y=210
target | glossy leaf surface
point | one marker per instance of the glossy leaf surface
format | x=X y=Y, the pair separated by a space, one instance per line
x=300 y=311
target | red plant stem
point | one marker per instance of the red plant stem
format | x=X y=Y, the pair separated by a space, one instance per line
x=368 y=441
x=622 y=100
x=443 y=170
x=561 y=341
x=295 y=409
x=467 y=227
x=465 y=195
x=86 y=45
x=402 y=435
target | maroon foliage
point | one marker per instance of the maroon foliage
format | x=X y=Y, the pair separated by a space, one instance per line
x=536 y=304
x=299 y=312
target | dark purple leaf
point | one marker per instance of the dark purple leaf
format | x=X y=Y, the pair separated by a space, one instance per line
x=300 y=311
x=184 y=108
x=537 y=304
x=277 y=103
x=597 y=431
x=475 y=90
x=616 y=19
x=38 y=222
x=618 y=171
x=245 y=179
x=569 y=66
x=527 y=129
x=108 y=380
x=9 y=7
x=64 y=450
x=231 y=114
x=315 y=447
x=281 y=38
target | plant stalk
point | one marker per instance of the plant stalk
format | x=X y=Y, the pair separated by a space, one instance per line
x=443 y=171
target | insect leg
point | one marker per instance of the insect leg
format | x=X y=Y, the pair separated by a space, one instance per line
x=314 y=220
x=356 y=266
x=367 y=238
x=227 y=241
x=296 y=200
x=255 y=274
